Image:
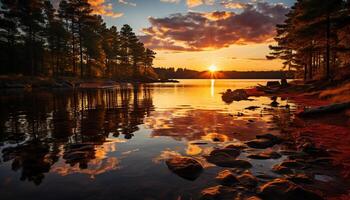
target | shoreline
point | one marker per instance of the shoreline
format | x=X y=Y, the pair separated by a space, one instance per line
x=329 y=131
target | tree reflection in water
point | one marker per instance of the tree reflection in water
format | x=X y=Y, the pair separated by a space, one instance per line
x=41 y=129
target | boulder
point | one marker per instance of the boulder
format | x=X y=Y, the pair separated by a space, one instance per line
x=282 y=189
x=273 y=84
x=299 y=178
x=218 y=192
x=278 y=169
x=227 y=178
x=265 y=155
x=226 y=160
x=260 y=143
x=185 y=167
x=237 y=95
x=229 y=151
x=248 y=180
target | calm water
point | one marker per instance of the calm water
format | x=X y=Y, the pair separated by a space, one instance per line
x=127 y=132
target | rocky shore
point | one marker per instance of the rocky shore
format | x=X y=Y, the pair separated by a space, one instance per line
x=312 y=155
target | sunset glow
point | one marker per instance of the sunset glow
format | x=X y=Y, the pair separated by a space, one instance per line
x=213 y=68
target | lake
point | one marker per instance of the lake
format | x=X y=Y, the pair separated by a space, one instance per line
x=124 y=136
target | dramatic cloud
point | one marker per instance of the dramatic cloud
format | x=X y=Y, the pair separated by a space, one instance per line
x=100 y=7
x=232 y=4
x=194 y=3
x=197 y=31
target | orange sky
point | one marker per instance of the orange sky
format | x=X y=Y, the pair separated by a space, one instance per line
x=236 y=57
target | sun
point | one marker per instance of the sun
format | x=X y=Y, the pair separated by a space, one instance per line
x=212 y=68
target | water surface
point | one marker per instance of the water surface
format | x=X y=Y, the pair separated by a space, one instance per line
x=131 y=130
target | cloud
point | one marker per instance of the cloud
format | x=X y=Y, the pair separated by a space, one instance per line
x=170 y=1
x=197 y=31
x=194 y=3
x=230 y=4
x=100 y=7
x=126 y=3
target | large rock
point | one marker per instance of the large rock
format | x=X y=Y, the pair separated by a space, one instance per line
x=260 y=143
x=218 y=193
x=229 y=151
x=278 y=169
x=281 y=189
x=227 y=178
x=265 y=155
x=226 y=160
x=248 y=180
x=237 y=95
x=185 y=167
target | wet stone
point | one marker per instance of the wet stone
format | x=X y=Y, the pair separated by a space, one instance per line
x=265 y=155
x=292 y=164
x=225 y=160
x=229 y=151
x=227 y=178
x=248 y=180
x=260 y=143
x=300 y=179
x=278 y=169
x=282 y=189
x=218 y=192
x=269 y=136
x=185 y=167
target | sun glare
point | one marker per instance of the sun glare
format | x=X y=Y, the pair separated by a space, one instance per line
x=212 y=68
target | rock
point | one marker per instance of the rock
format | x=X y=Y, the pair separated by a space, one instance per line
x=225 y=160
x=284 y=82
x=253 y=198
x=273 y=84
x=252 y=107
x=332 y=108
x=265 y=155
x=248 y=180
x=281 y=189
x=229 y=151
x=227 y=178
x=278 y=169
x=236 y=95
x=299 y=178
x=218 y=193
x=185 y=167
x=271 y=137
x=260 y=143
x=239 y=146
x=292 y=164
x=274 y=104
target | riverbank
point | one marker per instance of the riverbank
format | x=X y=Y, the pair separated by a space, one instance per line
x=329 y=131
x=28 y=82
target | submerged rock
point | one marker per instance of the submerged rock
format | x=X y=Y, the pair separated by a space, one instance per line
x=248 y=180
x=227 y=178
x=252 y=107
x=237 y=95
x=260 y=143
x=218 y=192
x=300 y=178
x=229 y=151
x=281 y=189
x=292 y=164
x=269 y=136
x=226 y=160
x=278 y=169
x=265 y=155
x=186 y=167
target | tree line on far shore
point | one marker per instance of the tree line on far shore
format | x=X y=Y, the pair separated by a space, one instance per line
x=314 y=40
x=38 y=39
x=183 y=73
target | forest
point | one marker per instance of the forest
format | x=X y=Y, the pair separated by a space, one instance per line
x=38 y=39
x=314 y=40
x=183 y=73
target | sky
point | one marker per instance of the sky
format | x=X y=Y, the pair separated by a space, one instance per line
x=195 y=34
